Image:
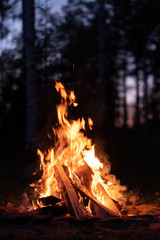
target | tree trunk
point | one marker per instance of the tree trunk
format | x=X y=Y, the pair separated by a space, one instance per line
x=30 y=74
x=124 y=101
x=101 y=57
x=1 y=48
x=145 y=95
x=137 y=117
x=124 y=67
x=144 y=65
x=155 y=93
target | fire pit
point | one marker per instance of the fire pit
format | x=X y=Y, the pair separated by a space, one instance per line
x=71 y=171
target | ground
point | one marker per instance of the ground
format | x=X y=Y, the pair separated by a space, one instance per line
x=29 y=226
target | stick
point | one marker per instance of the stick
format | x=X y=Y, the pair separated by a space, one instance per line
x=98 y=210
x=107 y=200
x=69 y=193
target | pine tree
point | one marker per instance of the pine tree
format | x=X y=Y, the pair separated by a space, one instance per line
x=30 y=73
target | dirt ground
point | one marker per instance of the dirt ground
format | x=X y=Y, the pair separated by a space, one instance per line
x=42 y=225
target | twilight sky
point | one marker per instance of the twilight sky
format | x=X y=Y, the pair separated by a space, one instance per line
x=55 y=6
x=16 y=24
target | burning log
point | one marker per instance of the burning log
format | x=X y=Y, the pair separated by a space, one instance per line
x=97 y=208
x=68 y=193
x=55 y=210
x=108 y=202
x=50 y=200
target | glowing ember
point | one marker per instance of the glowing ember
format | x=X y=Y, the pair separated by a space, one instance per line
x=77 y=153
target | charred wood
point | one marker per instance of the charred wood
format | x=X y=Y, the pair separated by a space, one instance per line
x=107 y=200
x=56 y=210
x=50 y=200
x=97 y=208
x=69 y=193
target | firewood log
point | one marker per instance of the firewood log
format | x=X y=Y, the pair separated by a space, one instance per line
x=98 y=209
x=69 y=193
x=107 y=200
x=49 y=200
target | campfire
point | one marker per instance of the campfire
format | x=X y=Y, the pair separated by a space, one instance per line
x=71 y=173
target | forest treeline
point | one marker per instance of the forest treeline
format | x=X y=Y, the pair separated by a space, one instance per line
x=105 y=50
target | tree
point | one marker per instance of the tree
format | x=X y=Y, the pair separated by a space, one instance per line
x=30 y=73
x=4 y=7
x=101 y=55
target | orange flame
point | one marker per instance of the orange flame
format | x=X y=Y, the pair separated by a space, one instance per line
x=74 y=150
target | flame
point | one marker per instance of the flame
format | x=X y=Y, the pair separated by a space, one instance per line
x=92 y=160
x=75 y=151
